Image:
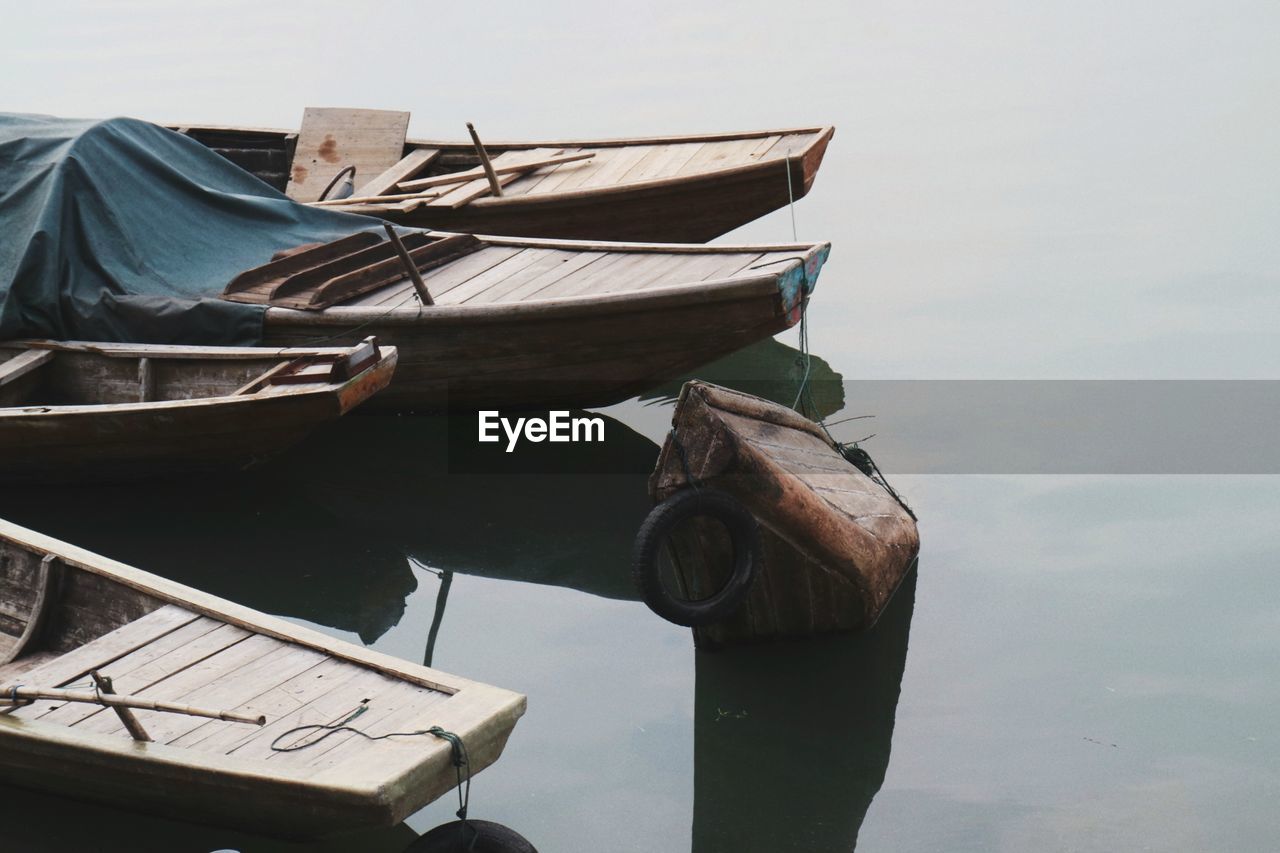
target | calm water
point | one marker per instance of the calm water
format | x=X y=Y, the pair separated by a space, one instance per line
x=1084 y=662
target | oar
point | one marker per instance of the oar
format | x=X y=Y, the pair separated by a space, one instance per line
x=18 y=694
x=423 y=186
x=501 y=169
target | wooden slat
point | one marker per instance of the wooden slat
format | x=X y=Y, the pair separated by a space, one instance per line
x=720 y=155
x=22 y=364
x=153 y=662
x=787 y=145
x=479 y=187
x=329 y=139
x=528 y=181
x=408 y=166
x=189 y=678
x=499 y=272
x=513 y=289
x=396 y=705
x=522 y=162
x=76 y=664
x=330 y=708
x=236 y=689
x=442 y=279
x=663 y=162
x=282 y=700
x=584 y=280
x=418 y=712
x=617 y=167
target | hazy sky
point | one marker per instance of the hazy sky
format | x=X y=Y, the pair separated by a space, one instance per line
x=1014 y=190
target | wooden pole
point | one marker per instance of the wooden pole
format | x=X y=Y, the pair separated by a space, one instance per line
x=126 y=716
x=412 y=268
x=504 y=169
x=21 y=695
x=494 y=186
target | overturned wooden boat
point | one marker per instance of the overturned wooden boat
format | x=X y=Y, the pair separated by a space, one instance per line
x=666 y=189
x=835 y=541
x=71 y=619
x=518 y=321
x=122 y=411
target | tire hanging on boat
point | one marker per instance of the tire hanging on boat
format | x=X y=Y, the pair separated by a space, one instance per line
x=475 y=836
x=658 y=526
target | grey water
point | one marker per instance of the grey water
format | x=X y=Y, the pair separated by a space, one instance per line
x=1085 y=661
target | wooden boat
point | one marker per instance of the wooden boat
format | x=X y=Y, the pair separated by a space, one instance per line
x=836 y=541
x=66 y=613
x=121 y=411
x=524 y=321
x=661 y=189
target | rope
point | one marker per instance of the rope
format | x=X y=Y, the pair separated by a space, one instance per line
x=791 y=200
x=807 y=406
x=458 y=749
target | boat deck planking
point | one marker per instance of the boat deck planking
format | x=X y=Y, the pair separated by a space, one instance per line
x=678 y=188
x=160 y=641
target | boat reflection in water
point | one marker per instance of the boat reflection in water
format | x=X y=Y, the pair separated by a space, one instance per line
x=791 y=740
x=252 y=538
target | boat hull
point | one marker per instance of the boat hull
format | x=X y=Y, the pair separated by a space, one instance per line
x=564 y=352
x=160 y=639
x=50 y=444
x=689 y=210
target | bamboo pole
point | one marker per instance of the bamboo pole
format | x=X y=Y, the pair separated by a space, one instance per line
x=416 y=277
x=494 y=186
x=17 y=694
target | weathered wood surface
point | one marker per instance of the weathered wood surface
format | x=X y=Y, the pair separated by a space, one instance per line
x=331 y=139
x=837 y=544
x=191 y=649
x=528 y=321
x=679 y=188
x=128 y=411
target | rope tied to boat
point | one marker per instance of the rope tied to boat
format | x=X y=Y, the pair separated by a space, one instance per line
x=807 y=406
x=457 y=748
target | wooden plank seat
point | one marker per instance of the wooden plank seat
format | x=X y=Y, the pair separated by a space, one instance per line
x=316 y=277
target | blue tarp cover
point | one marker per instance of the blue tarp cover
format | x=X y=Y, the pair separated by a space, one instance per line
x=120 y=230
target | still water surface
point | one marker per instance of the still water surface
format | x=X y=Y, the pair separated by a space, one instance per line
x=1014 y=191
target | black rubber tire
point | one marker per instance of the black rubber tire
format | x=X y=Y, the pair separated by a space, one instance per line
x=456 y=837
x=744 y=532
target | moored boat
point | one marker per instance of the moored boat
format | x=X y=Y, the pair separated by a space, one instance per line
x=834 y=540
x=517 y=321
x=663 y=189
x=78 y=411
x=246 y=682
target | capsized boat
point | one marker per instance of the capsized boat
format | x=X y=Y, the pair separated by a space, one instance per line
x=662 y=189
x=519 y=321
x=75 y=411
x=66 y=613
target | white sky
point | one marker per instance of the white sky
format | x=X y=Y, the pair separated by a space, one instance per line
x=1014 y=190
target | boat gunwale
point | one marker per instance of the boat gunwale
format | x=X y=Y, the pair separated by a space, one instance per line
x=673 y=295
x=289 y=393
x=607 y=142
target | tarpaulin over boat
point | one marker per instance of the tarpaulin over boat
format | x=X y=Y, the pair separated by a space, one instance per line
x=120 y=230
